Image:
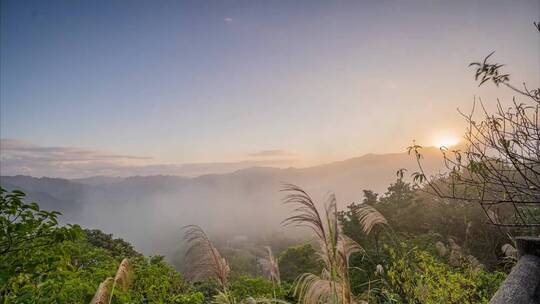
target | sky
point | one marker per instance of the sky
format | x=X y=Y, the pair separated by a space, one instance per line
x=191 y=87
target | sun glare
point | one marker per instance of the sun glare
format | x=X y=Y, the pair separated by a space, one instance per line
x=445 y=140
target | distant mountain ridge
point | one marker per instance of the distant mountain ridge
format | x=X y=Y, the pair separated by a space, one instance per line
x=146 y=209
x=97 y=180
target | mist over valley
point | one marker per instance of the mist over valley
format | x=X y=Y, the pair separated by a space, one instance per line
x=149 y=211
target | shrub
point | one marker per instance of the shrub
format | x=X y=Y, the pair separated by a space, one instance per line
x=417 y=276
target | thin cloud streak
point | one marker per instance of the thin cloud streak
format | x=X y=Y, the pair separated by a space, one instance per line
x=20 y=157
x=13 y=148
x=272 y=153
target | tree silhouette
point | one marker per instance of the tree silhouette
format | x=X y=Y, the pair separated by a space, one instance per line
x=499 y=166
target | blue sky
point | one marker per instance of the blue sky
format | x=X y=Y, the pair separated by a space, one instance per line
x=180 y=82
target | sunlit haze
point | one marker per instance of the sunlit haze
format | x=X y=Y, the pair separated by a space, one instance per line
x=259 y=151
x=445 y=138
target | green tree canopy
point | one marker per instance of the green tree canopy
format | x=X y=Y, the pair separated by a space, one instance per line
x=297 y=260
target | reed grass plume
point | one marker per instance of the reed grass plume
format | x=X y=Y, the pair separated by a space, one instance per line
x=103 y=293
x=270 y=267
x=335 y=249
x=369 y=217
x=105 y=290
x=202 y=259
x=123 y=274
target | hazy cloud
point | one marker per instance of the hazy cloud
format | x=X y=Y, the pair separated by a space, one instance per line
x=20 y=157
x=17 y=149
x=272 y=153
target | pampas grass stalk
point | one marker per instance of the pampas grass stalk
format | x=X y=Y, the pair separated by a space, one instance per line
x=335 y=249
x=370 y=217
x=270 y=267
x=202 y=258
x=122 y=277
x=123 y=274
x=105 y=291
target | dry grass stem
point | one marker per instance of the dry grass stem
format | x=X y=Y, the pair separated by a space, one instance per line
x=270 y=267
x=335 y=249
x=103 y=292
x=369 y=217
x=123 y=274
x=203 y=260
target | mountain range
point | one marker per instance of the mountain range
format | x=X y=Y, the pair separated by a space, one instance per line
x=150 y=210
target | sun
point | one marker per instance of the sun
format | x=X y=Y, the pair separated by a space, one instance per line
x=444 y=139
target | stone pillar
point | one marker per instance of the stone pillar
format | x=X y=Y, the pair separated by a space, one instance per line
x=522 y=286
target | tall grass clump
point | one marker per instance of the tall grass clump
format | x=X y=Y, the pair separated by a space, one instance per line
x=332 y=285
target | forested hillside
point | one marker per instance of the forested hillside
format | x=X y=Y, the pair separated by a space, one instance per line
x=415 y=244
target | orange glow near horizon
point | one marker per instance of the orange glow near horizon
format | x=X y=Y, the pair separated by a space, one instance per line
x=445 y=139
